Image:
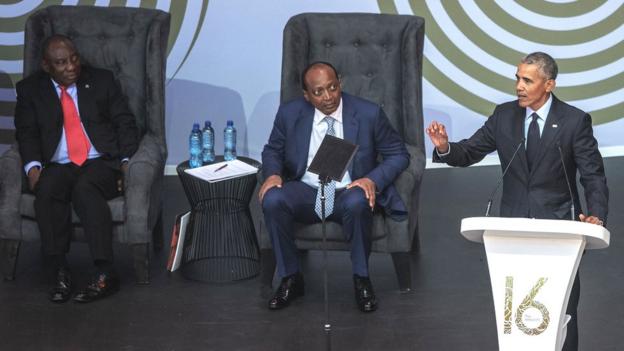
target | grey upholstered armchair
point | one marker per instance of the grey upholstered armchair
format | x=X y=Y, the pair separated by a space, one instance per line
x=132 y=43
x=379 y=57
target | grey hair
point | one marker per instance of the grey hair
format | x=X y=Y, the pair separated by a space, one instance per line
x=545 y=62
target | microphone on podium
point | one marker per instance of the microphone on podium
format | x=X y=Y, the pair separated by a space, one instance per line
x=565 y=172
x=500 y=181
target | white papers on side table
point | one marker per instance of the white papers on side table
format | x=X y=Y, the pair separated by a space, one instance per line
x=222 y=170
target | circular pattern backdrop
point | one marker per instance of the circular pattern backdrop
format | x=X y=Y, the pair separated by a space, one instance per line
x=472 y=48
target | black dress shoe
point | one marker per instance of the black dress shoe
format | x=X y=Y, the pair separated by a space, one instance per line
x=289 y=289
x=103 y=285
x=364 y=294
x=63 y=287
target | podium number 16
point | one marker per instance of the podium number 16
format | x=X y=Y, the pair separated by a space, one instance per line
x=528 y=302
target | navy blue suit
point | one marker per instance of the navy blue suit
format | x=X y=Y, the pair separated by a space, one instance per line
x=286 y=154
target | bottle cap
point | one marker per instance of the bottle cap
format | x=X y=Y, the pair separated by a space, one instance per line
x=207 y=124
x=230 y=122
x=195 y=125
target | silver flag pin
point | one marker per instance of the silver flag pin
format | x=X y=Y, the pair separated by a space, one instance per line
x=87 y=86
x=554 y=126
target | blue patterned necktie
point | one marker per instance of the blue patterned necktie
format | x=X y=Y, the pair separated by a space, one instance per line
x=330 y=188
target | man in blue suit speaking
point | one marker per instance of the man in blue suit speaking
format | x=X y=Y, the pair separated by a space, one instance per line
x=289 y=192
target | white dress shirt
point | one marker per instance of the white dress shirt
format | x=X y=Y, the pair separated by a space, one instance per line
x=319 y=129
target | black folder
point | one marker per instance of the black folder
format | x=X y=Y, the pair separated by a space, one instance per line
x=332 y=158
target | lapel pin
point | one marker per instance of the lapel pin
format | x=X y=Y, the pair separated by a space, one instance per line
x=554 y=126
x=87 y=86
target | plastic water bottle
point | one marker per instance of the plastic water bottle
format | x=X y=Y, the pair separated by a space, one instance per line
x=208 y=154
x=229 y=141
x=195 y=146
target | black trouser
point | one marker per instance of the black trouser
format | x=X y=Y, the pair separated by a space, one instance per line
x=87 y=188
x=571 y=341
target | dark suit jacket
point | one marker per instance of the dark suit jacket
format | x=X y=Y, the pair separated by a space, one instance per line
x=542 y=193
x=364 y=124
x=103 y=111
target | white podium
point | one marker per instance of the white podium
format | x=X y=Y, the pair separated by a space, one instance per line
x=532 y=265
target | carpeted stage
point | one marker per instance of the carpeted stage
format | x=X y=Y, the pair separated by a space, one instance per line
x=449 y=307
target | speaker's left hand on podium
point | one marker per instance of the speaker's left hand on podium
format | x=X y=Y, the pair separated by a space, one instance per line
x=591 y=219
x=369 y=189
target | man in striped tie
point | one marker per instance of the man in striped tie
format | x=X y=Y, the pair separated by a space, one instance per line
x=290 y=192
x=75 y=135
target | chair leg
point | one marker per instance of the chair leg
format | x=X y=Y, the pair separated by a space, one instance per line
x=416 y=241
x=140 y=253
x=403 y=268
x=9 y=249
x=267 y=267
x=157 y=234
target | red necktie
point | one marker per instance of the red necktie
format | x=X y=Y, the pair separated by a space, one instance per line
x=77 y=142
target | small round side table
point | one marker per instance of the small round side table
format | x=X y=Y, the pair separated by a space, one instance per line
x=220 y=243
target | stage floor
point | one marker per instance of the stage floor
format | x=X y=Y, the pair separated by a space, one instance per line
x=449 y=307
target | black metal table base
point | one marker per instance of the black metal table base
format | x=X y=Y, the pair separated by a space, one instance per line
x=221 y=269
x=222 y=247
x=220 y=243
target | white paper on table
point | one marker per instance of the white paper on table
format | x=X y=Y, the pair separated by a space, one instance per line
x=214 y=173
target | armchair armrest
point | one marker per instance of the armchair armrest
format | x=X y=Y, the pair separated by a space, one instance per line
x=10 y=193
x=408 y=186
x=409 y=180
x=142 y=189
x=257 y=215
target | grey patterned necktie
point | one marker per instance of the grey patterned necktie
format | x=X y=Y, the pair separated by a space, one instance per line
x=330 y=188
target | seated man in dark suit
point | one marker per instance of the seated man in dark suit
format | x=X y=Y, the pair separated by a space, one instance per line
x=290 y=194
x=547 y=135
x=75 y=135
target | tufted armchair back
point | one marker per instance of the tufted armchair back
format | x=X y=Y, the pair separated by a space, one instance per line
x=130 y=42
x=370 y=51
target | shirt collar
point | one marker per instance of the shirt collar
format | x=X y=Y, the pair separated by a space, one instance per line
x=542 y=112
x=58 y=86
x=337 y=115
